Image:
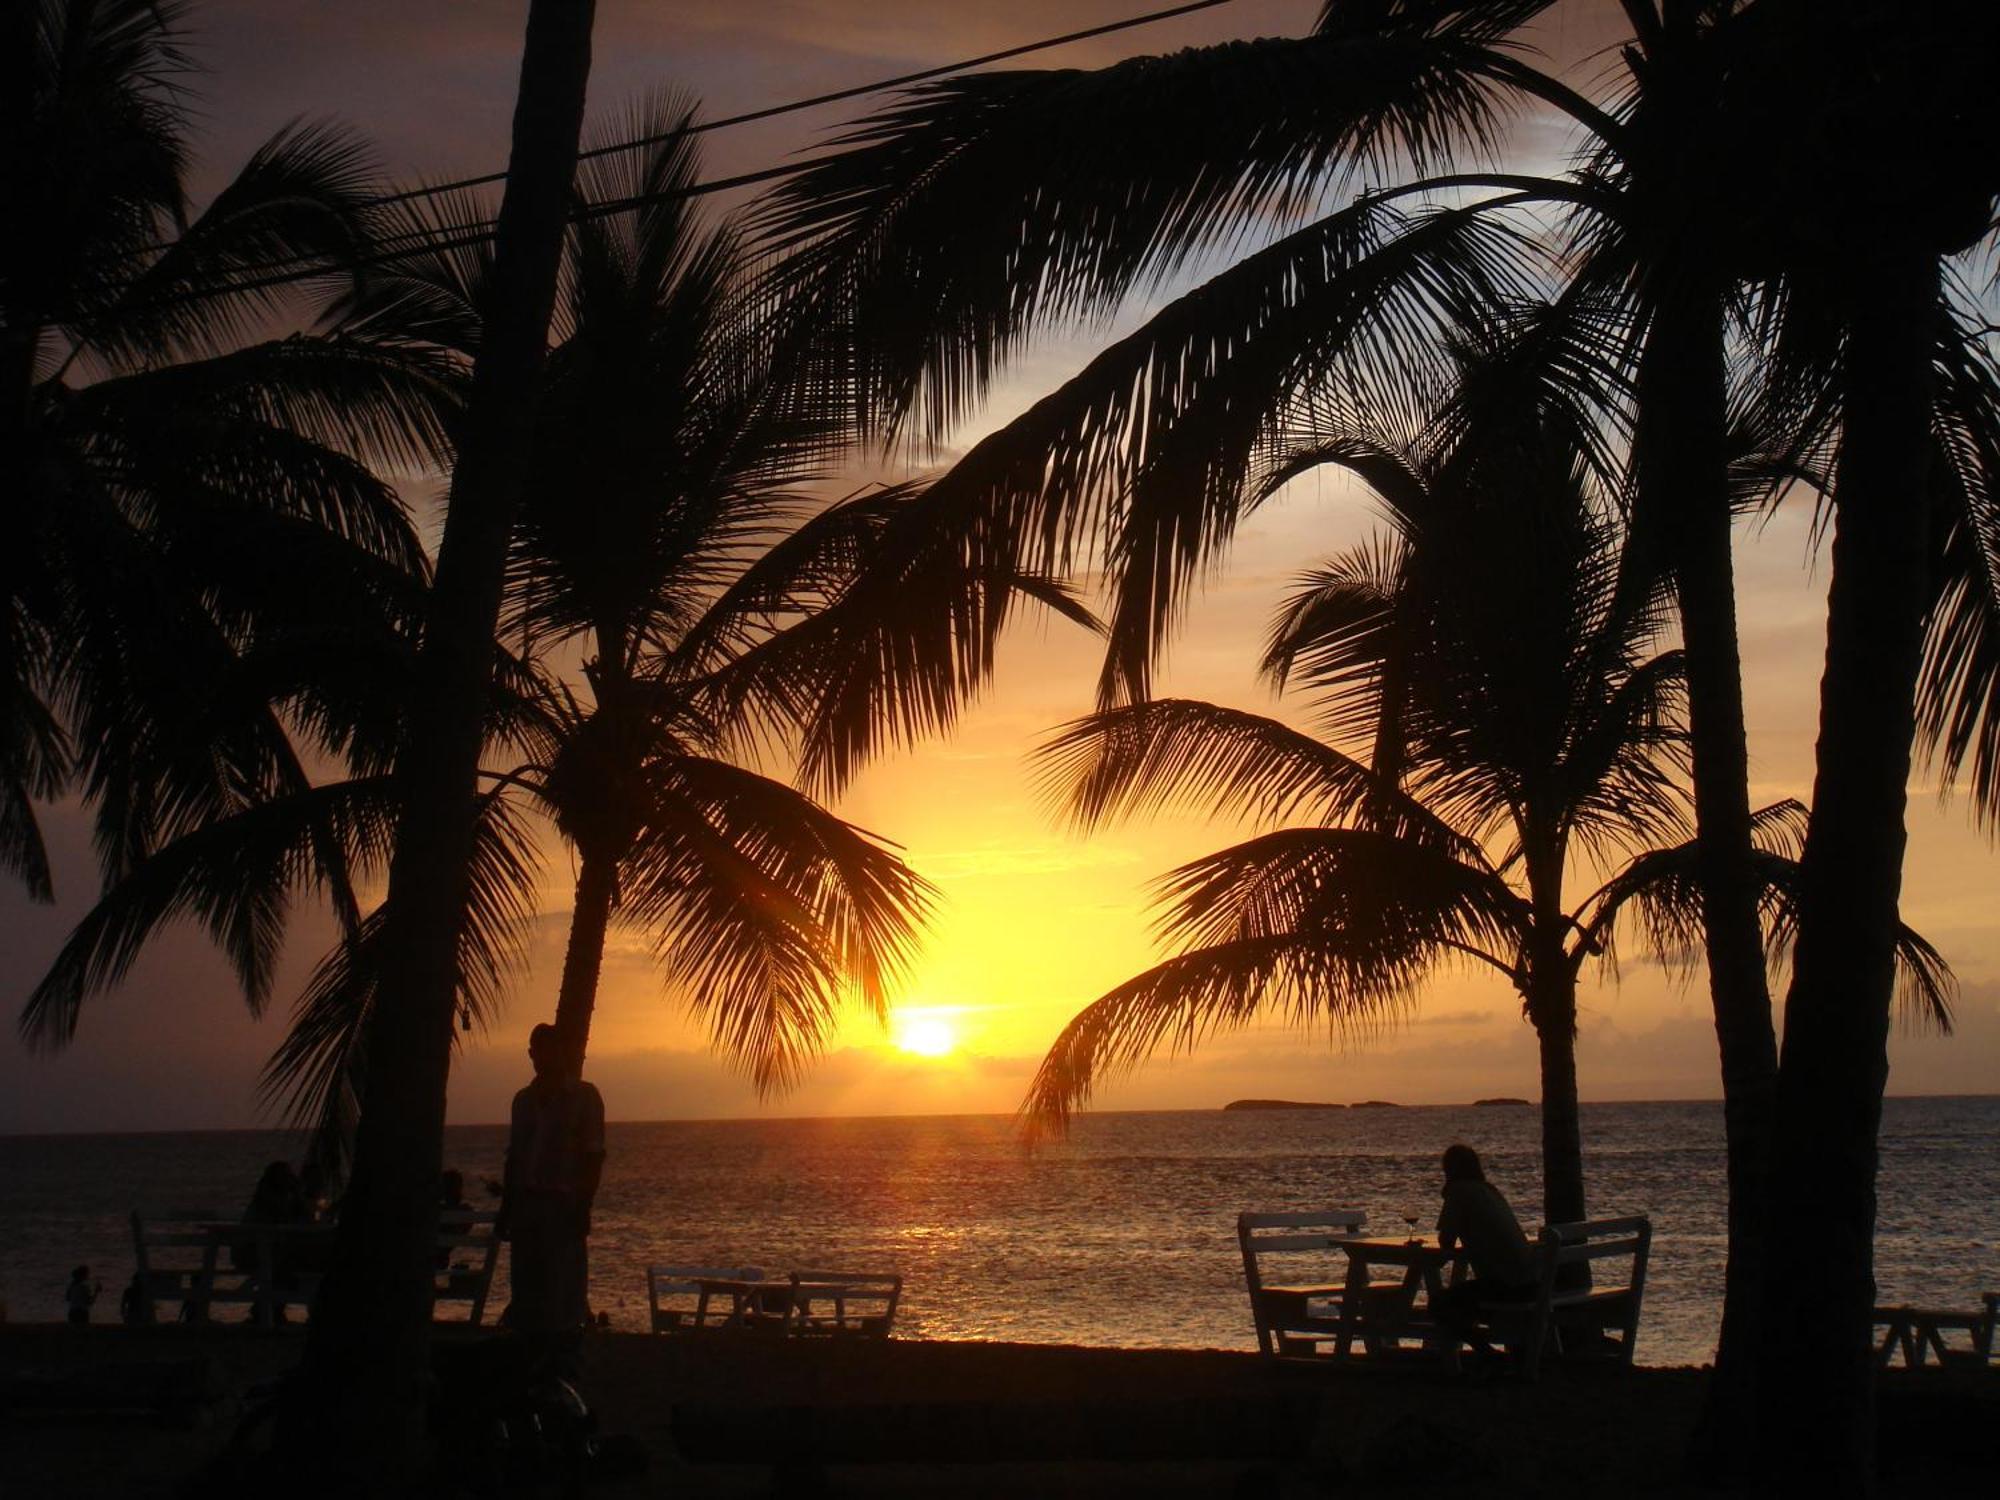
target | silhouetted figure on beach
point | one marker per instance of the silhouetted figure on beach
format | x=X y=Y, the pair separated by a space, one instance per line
x=80 y=1294
x=1476 y=1216
x=555 y=1156
x=278 y=1199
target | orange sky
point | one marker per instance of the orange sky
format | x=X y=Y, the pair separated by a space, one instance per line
x=1034 y=922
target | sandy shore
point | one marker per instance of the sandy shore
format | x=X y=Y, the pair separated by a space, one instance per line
x=735 y=1417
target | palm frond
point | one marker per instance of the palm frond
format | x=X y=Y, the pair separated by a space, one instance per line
x=753 y=915
x=297 y=200
x=1176 y=752
x=316 y=1077
x=1661 y=890
x=1958 y=693
x=1381 y=900
x=979 y=208
x=235 y=875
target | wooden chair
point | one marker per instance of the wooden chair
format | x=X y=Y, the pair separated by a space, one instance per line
x=192 y=1256
x=1303 y=1310
x=174 y=1257
x=1578 y=1320
x=461 y=1230
x=843 y=1304
x=679 y=1302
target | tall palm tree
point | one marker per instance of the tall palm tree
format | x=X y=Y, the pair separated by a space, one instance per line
x=662 y=535
x=668 y=531
x=192 y=502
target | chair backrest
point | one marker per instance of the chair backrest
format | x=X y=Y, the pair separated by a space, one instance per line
x=1612 y=1304
x=470 y=1229
x=1587 y=1241
x=666 y=1282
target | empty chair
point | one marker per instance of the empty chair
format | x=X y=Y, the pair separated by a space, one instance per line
x=1296 y=1304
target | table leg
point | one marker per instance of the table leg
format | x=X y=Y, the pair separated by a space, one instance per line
x=1350 y=1304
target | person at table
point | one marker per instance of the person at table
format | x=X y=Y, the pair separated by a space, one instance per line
x=1477 y=1217
x=555 y=1159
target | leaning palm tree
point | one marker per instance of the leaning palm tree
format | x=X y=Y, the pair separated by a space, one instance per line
x=1491 y=701
x=192 y=500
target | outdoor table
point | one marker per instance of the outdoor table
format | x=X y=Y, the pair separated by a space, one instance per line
x=752 y=1303
x=304 y=1249
x=1918 y=1333
x=1384 y=1313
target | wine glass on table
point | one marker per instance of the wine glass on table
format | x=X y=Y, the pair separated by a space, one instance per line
x=1413 y=1219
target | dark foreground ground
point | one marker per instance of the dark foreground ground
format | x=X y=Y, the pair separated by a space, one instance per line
x=745 y=1417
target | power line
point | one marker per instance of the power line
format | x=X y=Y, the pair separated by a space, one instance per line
x=771 y=111
x=288 y=269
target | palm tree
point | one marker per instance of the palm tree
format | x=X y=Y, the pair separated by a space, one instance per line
x=1496 y=691
x=193 y=505
x=661 y=533
x=667 y=529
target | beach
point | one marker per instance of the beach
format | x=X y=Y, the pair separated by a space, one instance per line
x=730 y=1416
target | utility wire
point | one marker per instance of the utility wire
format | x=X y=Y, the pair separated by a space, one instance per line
x=297 y=268
x=835 y=97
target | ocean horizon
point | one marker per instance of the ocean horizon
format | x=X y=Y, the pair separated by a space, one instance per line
x=1121 y=1235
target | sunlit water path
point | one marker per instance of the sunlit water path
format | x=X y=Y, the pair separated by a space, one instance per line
x=1123 y=1235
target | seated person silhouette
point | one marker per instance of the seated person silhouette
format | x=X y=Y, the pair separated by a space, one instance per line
x=1476 y=1216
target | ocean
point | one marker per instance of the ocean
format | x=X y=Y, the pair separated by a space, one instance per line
x=1122 y=1235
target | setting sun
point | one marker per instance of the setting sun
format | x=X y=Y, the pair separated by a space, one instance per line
x=925 y=1035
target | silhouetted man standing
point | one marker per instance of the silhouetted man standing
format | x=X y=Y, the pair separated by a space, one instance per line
x=555 y=1156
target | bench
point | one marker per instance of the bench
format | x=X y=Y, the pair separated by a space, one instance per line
x=466 y=1277
x=189 y=1256
x=1577 y=1314
x=1918 y=1333
x=805 y=1304
x=843 y=1304
x=1303 y=1310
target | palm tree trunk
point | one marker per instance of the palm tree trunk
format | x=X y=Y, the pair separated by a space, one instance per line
x=591 y=918
x=1562 y=1126
x=1817 y=1377
x=368 y=1358
x=1551 y=997
x=1682 y=464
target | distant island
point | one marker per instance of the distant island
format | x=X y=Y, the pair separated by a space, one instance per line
x=1277 y=1104
x=1499 y=1101
x=1375 y=1104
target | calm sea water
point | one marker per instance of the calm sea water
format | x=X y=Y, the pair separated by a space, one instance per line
x=1123 y=1235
